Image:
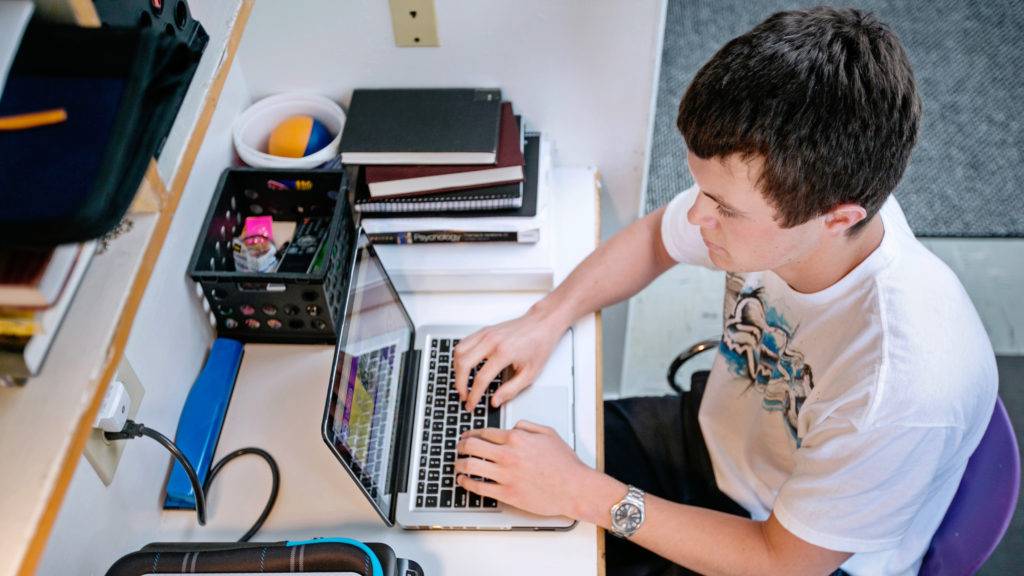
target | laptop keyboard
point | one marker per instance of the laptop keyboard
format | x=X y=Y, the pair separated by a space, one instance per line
x=445 y=419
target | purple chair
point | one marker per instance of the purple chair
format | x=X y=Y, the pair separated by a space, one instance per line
x=982 y=506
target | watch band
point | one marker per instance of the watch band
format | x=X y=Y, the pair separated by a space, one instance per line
x=635 y=493
x=628 y=514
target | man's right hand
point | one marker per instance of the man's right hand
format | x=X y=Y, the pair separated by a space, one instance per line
x=615 y=271
x=522 y=344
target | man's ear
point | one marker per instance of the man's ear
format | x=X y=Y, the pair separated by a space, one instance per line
x=844 y=216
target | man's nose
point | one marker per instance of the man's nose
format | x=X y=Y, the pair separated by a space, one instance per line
x=702 y=213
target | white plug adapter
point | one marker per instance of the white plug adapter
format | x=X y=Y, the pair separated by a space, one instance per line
x=113 y=411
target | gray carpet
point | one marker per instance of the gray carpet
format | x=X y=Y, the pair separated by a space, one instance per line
x=966 y=176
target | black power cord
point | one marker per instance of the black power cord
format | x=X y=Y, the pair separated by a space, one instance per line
x=134 y=430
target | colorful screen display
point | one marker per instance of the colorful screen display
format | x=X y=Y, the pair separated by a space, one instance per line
x=362 y=417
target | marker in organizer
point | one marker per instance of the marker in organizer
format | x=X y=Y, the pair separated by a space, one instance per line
x=301 y=185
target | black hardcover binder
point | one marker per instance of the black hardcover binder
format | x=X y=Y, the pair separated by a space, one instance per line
x=422 y=126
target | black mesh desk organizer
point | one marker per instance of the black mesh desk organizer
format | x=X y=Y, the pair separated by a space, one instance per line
x=275 y=307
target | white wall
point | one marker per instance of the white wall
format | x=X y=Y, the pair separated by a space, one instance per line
x=992 y=272
x=215 y=16
x=680 y=308
x=583 y=72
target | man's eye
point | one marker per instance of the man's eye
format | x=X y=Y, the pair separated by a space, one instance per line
x=724 y=212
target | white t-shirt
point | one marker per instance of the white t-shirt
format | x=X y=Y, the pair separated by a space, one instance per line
x=851 y=412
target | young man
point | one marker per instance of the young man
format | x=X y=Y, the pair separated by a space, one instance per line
x=853 y=379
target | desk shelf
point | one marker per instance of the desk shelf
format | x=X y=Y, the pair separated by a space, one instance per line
x=44 y=425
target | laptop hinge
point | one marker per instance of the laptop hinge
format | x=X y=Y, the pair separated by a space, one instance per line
x=406 y=422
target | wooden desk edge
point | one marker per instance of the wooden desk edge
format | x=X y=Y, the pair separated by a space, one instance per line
x=152 y=194
x=73 y=454
x=599 y=371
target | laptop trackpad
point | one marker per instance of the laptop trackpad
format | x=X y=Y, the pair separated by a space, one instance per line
x=547 y=405
x=549 y=400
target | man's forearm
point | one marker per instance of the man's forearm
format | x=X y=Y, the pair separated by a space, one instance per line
x=703 y=540
x=706 y=541
x=619 y=268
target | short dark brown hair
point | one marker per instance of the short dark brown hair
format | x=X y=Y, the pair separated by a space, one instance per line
x=825 y=96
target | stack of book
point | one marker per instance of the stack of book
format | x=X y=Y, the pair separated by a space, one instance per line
x=36 y=288
x=454 y=173
x=440 y=150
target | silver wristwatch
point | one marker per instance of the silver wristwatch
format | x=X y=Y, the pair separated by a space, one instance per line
x=628 y=513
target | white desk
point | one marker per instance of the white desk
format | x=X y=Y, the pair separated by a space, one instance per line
x=278 y=404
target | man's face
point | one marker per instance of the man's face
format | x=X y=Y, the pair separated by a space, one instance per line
x=737 y=223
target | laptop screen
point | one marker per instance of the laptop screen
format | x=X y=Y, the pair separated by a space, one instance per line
x=362 y=415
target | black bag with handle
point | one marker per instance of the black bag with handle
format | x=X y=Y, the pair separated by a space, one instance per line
x=121 y=89
x=326 y=555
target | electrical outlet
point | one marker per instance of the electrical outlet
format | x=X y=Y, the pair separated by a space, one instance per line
x=103 y=455
x=414 y=23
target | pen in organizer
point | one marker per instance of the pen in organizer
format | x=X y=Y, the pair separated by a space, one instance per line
x=454 y=236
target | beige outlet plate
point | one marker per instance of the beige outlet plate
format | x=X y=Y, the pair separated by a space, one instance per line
x=104 y=456
x=414 y=23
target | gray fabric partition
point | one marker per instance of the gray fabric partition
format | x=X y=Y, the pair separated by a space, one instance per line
x=966 y=176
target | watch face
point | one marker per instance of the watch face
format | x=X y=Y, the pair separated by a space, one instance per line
x=627 y=517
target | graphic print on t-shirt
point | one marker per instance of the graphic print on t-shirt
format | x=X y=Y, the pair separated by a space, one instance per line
x=756 y=346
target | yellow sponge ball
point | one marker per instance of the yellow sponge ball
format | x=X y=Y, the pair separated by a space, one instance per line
x=298 y=136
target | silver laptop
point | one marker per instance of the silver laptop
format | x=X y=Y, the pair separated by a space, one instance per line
x=393 y=417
